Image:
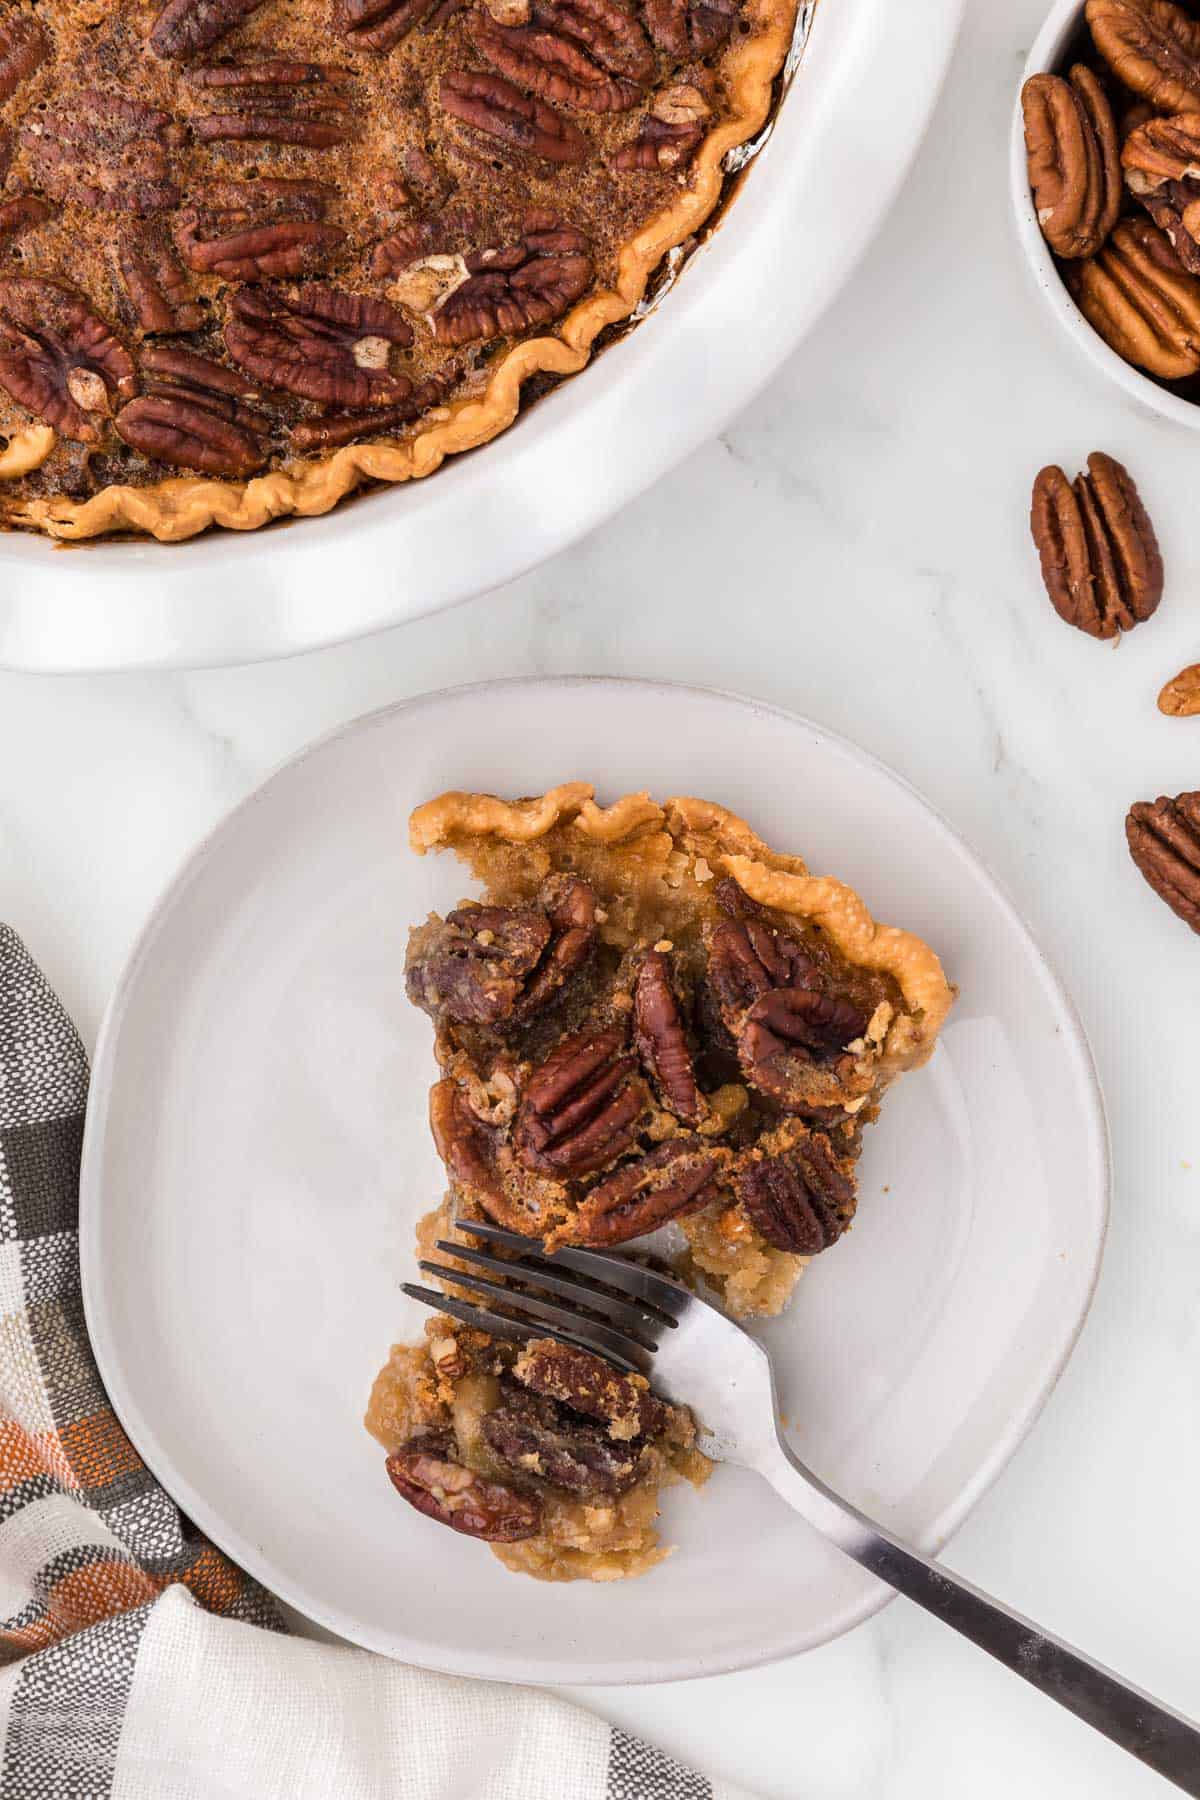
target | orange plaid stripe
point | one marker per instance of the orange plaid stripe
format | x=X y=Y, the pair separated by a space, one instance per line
x=215 y=1581
x=82 y=1598
x=97 y=1450
x=24 y=1454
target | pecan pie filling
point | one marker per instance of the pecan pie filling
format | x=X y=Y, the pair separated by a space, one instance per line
x=651 y=1022
x=255 y=253
x=651 y=1019
x=545 y=1453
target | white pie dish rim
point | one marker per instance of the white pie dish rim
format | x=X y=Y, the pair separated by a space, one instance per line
x=843 y=143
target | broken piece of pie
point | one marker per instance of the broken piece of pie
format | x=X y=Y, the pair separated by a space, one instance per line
x=544 y=1452
x=653 y=1018
x=649 y=1020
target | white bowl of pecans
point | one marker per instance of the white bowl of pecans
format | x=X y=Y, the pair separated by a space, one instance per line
x=1105 y=171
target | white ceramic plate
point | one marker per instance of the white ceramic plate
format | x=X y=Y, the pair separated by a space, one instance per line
x=844 y=141
x=257 y=1156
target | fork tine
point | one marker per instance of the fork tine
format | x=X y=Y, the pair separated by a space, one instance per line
x=640 y=1322
x=565 y=1318
x=668 y=1296
x=481 y=1318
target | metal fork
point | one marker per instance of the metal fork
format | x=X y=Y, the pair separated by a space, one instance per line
x=645 y=1322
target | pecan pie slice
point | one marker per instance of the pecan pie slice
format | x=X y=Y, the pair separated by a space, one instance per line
x=652 y=1019
x=542 y=1451
x=361 y=225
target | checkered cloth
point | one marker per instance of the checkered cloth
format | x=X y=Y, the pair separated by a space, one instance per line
x=130 y=1670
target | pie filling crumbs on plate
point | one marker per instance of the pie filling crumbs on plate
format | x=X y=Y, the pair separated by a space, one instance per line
x=256 y=253
x=650 y=1023
x=545 y=1452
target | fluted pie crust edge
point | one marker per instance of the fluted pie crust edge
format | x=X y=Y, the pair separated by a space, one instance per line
x=709 y=840
x=183 y=506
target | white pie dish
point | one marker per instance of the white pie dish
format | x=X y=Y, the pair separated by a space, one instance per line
x=1062 y=21
x=845 y=137
x=257 y=1155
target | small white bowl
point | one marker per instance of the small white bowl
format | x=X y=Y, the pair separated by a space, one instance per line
x=1062 y=21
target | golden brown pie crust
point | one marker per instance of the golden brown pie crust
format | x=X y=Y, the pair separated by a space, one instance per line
x=697 y=839
x=179 y=508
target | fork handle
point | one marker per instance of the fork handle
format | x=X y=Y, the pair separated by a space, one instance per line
x=1159 y=1737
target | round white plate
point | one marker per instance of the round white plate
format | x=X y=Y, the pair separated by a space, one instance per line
x=257 y=1156
x=843 y=143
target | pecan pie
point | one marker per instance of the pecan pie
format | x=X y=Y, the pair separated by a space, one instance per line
x=254 y=255
x=652 y=1019
x=543 y=1451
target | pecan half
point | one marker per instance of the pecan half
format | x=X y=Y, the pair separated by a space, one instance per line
x=589 y=1385
x=257 y=230
x=552 y=66
x=472 y=966
x=800 y=1200
x=466 y=1146
x=519 y=287
x=1164 y=842
x=519 y=121
x=380 y=24
x=787 y=1031
x=748 y=957
x=158 y=289
x=1152 y=47
x=581 y=1109
x=675 y=1178
x=1142 y=301
x=1161 y=151
x=429 y=244
x=570 y=906
x=1099 y=554
x=320 y=343
x=1074 y=160
x=688 y=29
x=657 y=146
x=24 y=47
x=258 y=252
x=609 y=30
x=425 y=1472
x=276 y=101
x=104 y=152
x=660 y=1038
x=1169 y=207
x=669 y=134
x=333 y=430
x=22 y=213
x=185 y=26
x=485 y=965
x=1161 y=158
x=59 y=359
x=535 y=1435
x=192 y=414
x=1180 y=698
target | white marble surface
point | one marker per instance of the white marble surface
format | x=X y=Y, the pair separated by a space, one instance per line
x=854 y=547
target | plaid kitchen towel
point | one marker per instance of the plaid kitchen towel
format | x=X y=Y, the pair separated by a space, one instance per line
x=138 y=1662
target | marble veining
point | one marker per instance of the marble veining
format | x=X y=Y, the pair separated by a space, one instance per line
x=854 y=547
